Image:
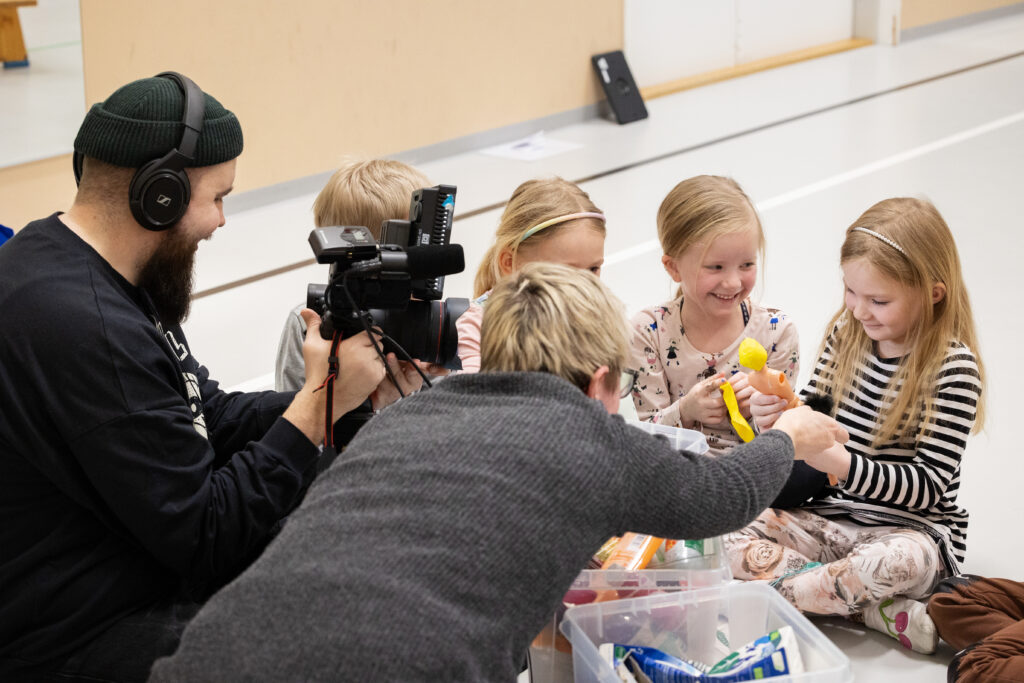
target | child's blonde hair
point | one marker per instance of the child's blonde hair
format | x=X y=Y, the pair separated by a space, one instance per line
x=367 y=193
x=702 y=208
x=548 y=317
x=928 y=256
x=532 y=203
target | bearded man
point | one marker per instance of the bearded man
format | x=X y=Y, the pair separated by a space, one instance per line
x=131 y=486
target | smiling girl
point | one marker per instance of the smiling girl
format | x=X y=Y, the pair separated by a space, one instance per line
x=683 y=349
x=901 y=360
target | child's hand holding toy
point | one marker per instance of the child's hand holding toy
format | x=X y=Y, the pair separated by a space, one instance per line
x=703 y=403
x=743 y=391
x=766 y=408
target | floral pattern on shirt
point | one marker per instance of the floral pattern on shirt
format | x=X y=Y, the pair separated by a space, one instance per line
x=668 y=365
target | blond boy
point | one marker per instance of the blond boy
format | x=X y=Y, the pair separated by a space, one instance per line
x=445 y=536
x=361 y=192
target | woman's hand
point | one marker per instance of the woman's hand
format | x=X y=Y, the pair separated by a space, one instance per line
x=811 y=433
x=834 y=460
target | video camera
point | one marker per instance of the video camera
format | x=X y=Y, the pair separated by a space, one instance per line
x=395 y=285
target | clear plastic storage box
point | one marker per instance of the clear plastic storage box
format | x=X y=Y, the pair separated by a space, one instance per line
x=694 y=625
x=682 y=439
x=551 y=658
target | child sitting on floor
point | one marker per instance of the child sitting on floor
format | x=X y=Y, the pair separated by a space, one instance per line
x=901 y=361
x=546 y=219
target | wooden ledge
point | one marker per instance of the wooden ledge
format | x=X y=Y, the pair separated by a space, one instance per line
x=709 y=77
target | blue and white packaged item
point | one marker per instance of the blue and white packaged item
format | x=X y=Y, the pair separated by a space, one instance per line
x=774 y=654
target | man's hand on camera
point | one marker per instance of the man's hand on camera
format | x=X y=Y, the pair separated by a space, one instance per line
x=360 y=370
x=405 y=374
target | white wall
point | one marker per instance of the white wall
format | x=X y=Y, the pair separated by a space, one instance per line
x=765 y=29
x=878 y=20
x=670 y=39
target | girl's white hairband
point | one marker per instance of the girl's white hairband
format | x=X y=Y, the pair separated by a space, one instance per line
x=881 y=237
x=561 y=219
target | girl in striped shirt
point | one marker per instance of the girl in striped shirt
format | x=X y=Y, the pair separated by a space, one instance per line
x=901 y=362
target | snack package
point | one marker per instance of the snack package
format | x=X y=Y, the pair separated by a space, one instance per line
x=676 y=554
x=649 y=665
x=774 y=654
x=633 y=551
x=603 y=554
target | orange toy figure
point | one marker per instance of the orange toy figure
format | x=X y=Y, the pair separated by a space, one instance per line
x=768 y=381
x=753 y=356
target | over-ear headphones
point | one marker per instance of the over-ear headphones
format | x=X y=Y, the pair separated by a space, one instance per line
x=159 y=191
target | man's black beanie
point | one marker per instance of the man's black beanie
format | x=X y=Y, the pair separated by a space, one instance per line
x=142 y=121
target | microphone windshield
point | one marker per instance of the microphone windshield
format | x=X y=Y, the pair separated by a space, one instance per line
x=435 y=260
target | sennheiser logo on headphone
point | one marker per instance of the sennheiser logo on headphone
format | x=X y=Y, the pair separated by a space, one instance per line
x=163 y=200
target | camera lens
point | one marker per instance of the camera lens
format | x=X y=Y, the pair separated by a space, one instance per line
x=425 y=329
x=315 y=297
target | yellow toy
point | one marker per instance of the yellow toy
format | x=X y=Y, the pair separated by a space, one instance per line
x=738 y=423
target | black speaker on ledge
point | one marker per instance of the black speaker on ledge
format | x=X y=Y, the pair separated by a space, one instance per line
x=623 y=97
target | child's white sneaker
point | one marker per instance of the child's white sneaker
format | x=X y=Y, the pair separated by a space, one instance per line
x=905 y=620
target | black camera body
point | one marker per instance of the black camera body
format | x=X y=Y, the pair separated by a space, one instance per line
x=395 y=285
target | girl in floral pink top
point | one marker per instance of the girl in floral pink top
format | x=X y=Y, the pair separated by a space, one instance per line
x=685 y=348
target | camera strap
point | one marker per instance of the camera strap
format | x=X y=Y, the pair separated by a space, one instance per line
x=332 y=374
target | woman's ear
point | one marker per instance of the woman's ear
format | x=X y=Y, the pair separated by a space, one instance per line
x=671 y=268
x=600 y=389
x=506 y=261
x=938 y=292
x=597 y=382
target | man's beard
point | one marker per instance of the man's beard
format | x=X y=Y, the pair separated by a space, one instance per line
x=168 y=277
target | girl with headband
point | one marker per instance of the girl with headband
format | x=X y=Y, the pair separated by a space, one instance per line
x=547 y=220
x=685 y=348
x=901 y=361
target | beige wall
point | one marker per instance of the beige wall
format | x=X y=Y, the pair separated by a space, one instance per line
x=916 y=13
x=314 y=80
x=35 y=190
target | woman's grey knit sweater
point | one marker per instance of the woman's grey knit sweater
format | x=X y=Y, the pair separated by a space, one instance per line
x=444 y=537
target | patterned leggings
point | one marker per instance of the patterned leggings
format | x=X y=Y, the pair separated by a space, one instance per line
x=861 y=566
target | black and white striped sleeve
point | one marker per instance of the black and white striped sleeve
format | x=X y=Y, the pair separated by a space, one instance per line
x=933 y=460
